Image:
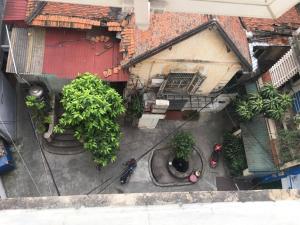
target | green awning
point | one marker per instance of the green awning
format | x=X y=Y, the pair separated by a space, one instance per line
x=257 y=142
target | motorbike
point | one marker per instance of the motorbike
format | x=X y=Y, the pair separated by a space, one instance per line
x=131 y=165
x=215 y=155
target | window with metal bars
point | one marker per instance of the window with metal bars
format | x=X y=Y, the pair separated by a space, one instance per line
x=181 y=83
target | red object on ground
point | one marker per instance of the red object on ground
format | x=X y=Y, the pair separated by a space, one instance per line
x=193 y=178
x=213 y=164
x=69 y=52
x=218 y=148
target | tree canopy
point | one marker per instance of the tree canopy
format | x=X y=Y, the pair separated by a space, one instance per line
x=91 y=109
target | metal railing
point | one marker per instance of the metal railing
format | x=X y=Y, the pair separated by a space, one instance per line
x=285 y=69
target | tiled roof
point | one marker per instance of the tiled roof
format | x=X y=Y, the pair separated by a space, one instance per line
x=163 y=28
x=70 y=15
x=167 y=26
x=290 y=19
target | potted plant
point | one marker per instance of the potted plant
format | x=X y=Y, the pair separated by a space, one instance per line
x=182 y=145
x=135 y=108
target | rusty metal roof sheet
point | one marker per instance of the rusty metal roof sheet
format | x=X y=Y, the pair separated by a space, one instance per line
x=28 y=50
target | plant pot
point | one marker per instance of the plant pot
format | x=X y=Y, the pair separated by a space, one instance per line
x=179 y=168
x=180 y=165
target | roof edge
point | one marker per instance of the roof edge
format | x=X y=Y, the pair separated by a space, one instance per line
x=233 y=47
x=36 y=11
x=147 y=199
x=186 y=35
x=168 y=44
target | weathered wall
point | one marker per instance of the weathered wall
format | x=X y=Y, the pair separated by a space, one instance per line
x=7 y=109
x=205 y=52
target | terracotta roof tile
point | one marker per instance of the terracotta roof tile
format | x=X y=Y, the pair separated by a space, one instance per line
x=236 y=32
x=167 y=26
x=64 y=15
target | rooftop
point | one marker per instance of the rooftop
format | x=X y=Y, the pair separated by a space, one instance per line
x=218 y=208
x=289 y=21
x=52 y=14
x=166 y=27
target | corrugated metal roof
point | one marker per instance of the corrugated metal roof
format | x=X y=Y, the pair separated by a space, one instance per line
x=28 y=49
x=257 y=143
x=15 y=10
x=69 y=52
x=36 y=43
x=19 y=44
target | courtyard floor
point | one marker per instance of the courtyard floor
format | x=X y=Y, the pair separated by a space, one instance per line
x=78 y=175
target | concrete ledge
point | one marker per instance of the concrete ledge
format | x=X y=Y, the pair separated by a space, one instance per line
x=142 y=199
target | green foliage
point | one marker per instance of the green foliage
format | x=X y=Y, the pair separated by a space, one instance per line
x=38 y=112
x=234 y=154
x=91 y=108
x=289 y=141
x=268 y=91
x=183 y=144
x=135 y=106
x=244 y=110
x=256 y=103
x=268 y=101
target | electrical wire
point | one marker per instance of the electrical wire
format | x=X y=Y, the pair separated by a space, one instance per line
x=113 y=179
x=22 y=159
x=44 y=158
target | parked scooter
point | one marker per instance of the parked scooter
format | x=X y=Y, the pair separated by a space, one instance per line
x=214 y=158
x=131 y=165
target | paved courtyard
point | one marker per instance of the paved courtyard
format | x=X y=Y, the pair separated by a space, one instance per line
x=77 y=174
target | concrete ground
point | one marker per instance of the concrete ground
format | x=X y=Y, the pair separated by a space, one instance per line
x=77 y=174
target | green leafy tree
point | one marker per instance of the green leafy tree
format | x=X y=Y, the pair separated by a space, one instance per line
x=91 y=109
x=267 y=101
x=183 y=144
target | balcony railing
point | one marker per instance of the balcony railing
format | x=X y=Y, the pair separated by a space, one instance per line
x=285 y=69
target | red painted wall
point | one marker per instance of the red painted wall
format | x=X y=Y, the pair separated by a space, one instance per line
x=68 y=52
x=15 y=10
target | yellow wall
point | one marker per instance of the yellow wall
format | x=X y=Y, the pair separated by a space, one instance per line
x=205 y=52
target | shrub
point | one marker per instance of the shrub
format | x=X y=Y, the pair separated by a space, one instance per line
x=234 y=154
x=183 y=144
x=38 y=112
x=268 y=101
x=91 y=108
x=244 y=110
x=135 y=106
x=289 y=141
